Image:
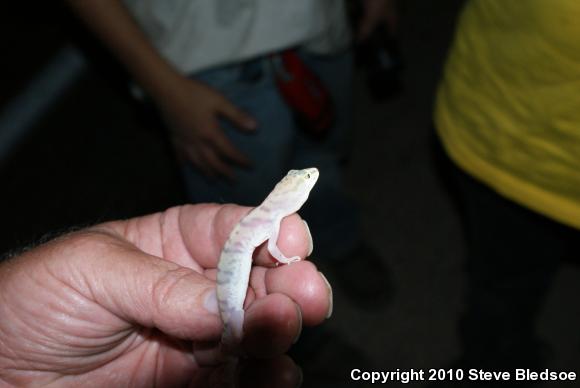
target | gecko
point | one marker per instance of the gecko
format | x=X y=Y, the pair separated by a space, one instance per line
x=259 y=225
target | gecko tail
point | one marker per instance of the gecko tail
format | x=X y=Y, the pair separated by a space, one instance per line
x=233 y=330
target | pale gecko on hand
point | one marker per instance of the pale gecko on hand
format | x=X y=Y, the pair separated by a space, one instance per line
x=261 y=224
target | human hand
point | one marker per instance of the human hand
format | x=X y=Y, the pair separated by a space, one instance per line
x=376 y=12
x=192 y=113
x=133 y=303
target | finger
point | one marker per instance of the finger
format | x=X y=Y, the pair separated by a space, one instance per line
x=205 y=228
x=303 y=283
x=212 y=161
x=237 y=116
x=225 y=147
x=197 y=234
x=208 y=353
x=143 y=289
x=258 y=281
x=279 y=372
x=193 y=155
x=188 y=149
x=272 y=324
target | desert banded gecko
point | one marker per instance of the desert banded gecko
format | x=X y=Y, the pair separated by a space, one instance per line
x=261 y=224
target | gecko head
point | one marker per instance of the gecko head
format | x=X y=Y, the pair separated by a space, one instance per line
x=304 y=179
x=297 y=184
x=293 y=190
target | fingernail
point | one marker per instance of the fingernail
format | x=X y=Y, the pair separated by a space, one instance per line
x=299 y=312
x=300 y=376
x=210 y=302
x=310 y=242
x=250 y=123
x=330 y=298
x=191 y=355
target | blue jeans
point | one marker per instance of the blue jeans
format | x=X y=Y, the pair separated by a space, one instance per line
x=278 y=146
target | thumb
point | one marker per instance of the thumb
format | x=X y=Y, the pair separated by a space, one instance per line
x=237 y=116
x=151 y=292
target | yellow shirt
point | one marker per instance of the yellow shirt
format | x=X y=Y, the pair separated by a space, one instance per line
x=508 y=107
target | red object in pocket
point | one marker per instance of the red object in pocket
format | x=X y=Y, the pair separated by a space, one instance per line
x=304 y=92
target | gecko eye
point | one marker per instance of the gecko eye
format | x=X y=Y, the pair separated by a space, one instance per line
x=307 y=176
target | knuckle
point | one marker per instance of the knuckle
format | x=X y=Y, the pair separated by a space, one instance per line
x=97 y=242
x=164 y=288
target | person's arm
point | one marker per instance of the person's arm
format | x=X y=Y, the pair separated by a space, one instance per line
x=112 y=22
x=190 y=107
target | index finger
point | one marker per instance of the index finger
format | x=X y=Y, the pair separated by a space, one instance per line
x=226 y=148
x=193 y=236
x=205 y=228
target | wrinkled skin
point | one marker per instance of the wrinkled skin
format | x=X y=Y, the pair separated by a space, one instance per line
x=132 y=303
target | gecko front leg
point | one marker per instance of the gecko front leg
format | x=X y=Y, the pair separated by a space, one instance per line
x=273 y=245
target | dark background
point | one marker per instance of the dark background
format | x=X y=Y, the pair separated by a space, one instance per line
x=94 y=156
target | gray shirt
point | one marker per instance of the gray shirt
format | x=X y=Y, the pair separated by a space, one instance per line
x=198 y=34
